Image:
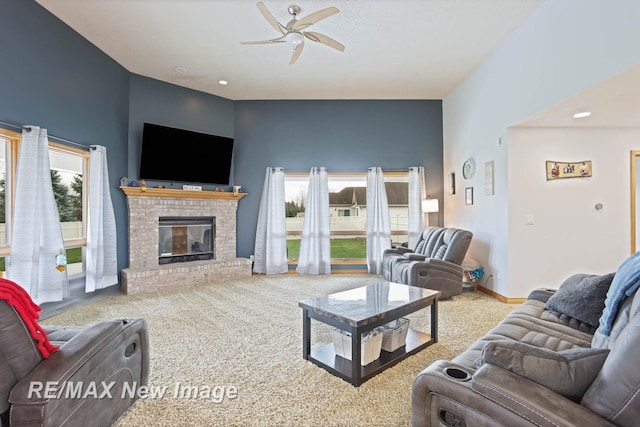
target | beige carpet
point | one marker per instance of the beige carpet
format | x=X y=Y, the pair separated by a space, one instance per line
x=246 y=336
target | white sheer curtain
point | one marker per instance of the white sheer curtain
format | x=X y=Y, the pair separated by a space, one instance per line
x=270 y=254
x=36 y=236
x=315 y=245
x=102 y=262
x=417 y=194
x=378 y=220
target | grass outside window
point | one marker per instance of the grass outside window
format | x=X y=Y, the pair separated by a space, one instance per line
x=74 y=255
x=355 y=248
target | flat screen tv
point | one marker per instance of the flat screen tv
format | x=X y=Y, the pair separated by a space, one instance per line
x=178 y=155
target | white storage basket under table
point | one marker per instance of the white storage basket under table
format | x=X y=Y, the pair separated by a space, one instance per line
x=370 y=347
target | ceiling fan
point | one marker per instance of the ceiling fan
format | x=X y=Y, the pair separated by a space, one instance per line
x=294 y=33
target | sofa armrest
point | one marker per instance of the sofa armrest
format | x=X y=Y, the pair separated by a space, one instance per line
x=412 y=256
x=531 y=400
x=87 y=379
x=541 y=294
x=398 y=250
x=451 y=394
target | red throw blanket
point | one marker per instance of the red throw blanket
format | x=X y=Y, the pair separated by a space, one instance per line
x=19 y=299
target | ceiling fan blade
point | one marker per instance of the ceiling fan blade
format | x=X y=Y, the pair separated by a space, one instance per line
x=315 y=17
x=270 y=18
x=326 y=40
x=296 y=53
x=278 y=40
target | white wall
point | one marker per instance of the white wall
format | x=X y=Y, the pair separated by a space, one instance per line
x=569 y=235
x=563 y=48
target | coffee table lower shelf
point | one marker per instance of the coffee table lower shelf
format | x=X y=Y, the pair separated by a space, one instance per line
x=325 y=357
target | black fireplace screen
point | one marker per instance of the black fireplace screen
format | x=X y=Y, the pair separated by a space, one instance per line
x=184 y=239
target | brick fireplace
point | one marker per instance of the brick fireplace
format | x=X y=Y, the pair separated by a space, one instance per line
x=145 y=273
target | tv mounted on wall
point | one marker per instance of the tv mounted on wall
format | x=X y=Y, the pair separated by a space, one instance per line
x=178 y=155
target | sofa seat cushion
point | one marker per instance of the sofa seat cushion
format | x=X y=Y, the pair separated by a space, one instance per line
x=526 y=324
x=567 y=372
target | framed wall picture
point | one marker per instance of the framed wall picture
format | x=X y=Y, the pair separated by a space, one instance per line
x=452 y=183
x=468 y=196
x=557 y=170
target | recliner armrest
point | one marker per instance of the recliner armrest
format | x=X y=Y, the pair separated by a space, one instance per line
x=414 y=256
x=108 y=352
x=531 y=400
x=541 y=294
x=433 y=264
x=490 y=396
x=396 y=250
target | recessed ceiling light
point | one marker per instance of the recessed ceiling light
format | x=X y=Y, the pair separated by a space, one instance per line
x=180 y=70
x=223 y=82
x=582 y=114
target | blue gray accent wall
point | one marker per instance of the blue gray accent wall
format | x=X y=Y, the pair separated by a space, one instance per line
x=166 y=104
x=342 y=135
x=54 y=78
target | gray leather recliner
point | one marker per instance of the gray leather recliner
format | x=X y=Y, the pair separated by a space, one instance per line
x=435 y=262
x=90 y=381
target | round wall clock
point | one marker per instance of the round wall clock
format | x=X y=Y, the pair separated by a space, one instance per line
x=468 y=168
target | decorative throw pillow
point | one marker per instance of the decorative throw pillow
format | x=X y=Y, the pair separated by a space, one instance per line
x=567 y=372
x=582 y=297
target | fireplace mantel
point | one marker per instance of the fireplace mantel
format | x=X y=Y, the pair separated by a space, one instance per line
x=181 y=194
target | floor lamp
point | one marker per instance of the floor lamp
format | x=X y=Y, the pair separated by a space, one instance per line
x=430 y=205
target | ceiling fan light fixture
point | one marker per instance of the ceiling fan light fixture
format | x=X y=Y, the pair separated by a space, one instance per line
x=582 y=115
x=223 y=82
x=295 y=32
x=294 y=38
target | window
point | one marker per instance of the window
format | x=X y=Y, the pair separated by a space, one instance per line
x=68 y=172
x=347 y=211
x=67 y=178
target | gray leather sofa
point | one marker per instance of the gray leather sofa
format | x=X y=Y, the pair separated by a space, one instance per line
x=435 y=262
x=569 y=357
x=90 y=381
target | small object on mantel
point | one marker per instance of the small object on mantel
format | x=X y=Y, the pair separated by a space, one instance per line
x=143 y=186
x=159 y=186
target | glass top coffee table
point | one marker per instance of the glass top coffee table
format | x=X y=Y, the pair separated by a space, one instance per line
x=359 y=311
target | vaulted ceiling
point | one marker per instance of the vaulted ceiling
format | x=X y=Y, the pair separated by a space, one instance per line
x=395 y=49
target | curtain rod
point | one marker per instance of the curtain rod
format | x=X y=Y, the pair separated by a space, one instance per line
x=57 y=138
